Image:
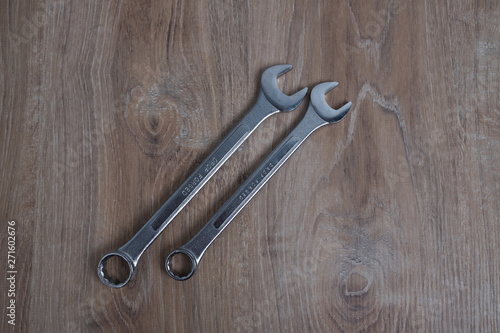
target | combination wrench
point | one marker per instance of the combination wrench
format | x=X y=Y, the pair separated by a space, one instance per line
x=270 y=101
x=318 y=114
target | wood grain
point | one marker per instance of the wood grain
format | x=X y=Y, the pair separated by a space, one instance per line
x=388 y=221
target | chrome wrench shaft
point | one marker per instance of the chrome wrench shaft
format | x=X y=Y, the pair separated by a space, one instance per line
x=317 y=115
x=270 y=101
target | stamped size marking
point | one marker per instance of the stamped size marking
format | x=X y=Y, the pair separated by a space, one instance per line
x=197 y=179
x=256 y=181
x=252 y=185
x=211 y=164
x=192 y=184
x=201 y=175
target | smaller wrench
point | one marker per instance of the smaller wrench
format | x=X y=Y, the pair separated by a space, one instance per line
x=270 y=101
x=317 y=115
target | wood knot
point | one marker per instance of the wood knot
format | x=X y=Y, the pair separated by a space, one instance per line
x=354 y=266
x=152 y=118
x=356 y=284
x=355 y=298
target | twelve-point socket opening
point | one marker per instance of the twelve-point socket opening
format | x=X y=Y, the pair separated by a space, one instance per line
x=180 y=265
x=115 y=270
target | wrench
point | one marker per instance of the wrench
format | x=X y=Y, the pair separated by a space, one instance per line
x=270 y=101
x=317 y=115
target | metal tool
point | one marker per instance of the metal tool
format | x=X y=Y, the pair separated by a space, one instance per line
x=317 y=115
x=271 y=100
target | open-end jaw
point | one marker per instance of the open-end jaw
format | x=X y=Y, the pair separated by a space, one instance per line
x=318 y=114
x=270 y=101
x=322 y=108
x=274 y=95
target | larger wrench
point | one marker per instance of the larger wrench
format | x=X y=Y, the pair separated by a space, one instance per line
x=317 y=115
x=271 y=100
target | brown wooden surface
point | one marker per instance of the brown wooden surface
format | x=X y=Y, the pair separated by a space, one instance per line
x=387 y=221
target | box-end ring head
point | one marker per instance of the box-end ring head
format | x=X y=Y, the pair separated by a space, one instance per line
x=183 y=268
x=109 y=280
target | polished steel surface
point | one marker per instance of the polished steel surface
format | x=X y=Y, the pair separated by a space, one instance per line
x=270 y=101
x=317 y=115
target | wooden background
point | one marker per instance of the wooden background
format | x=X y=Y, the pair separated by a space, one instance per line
x=387 y=221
